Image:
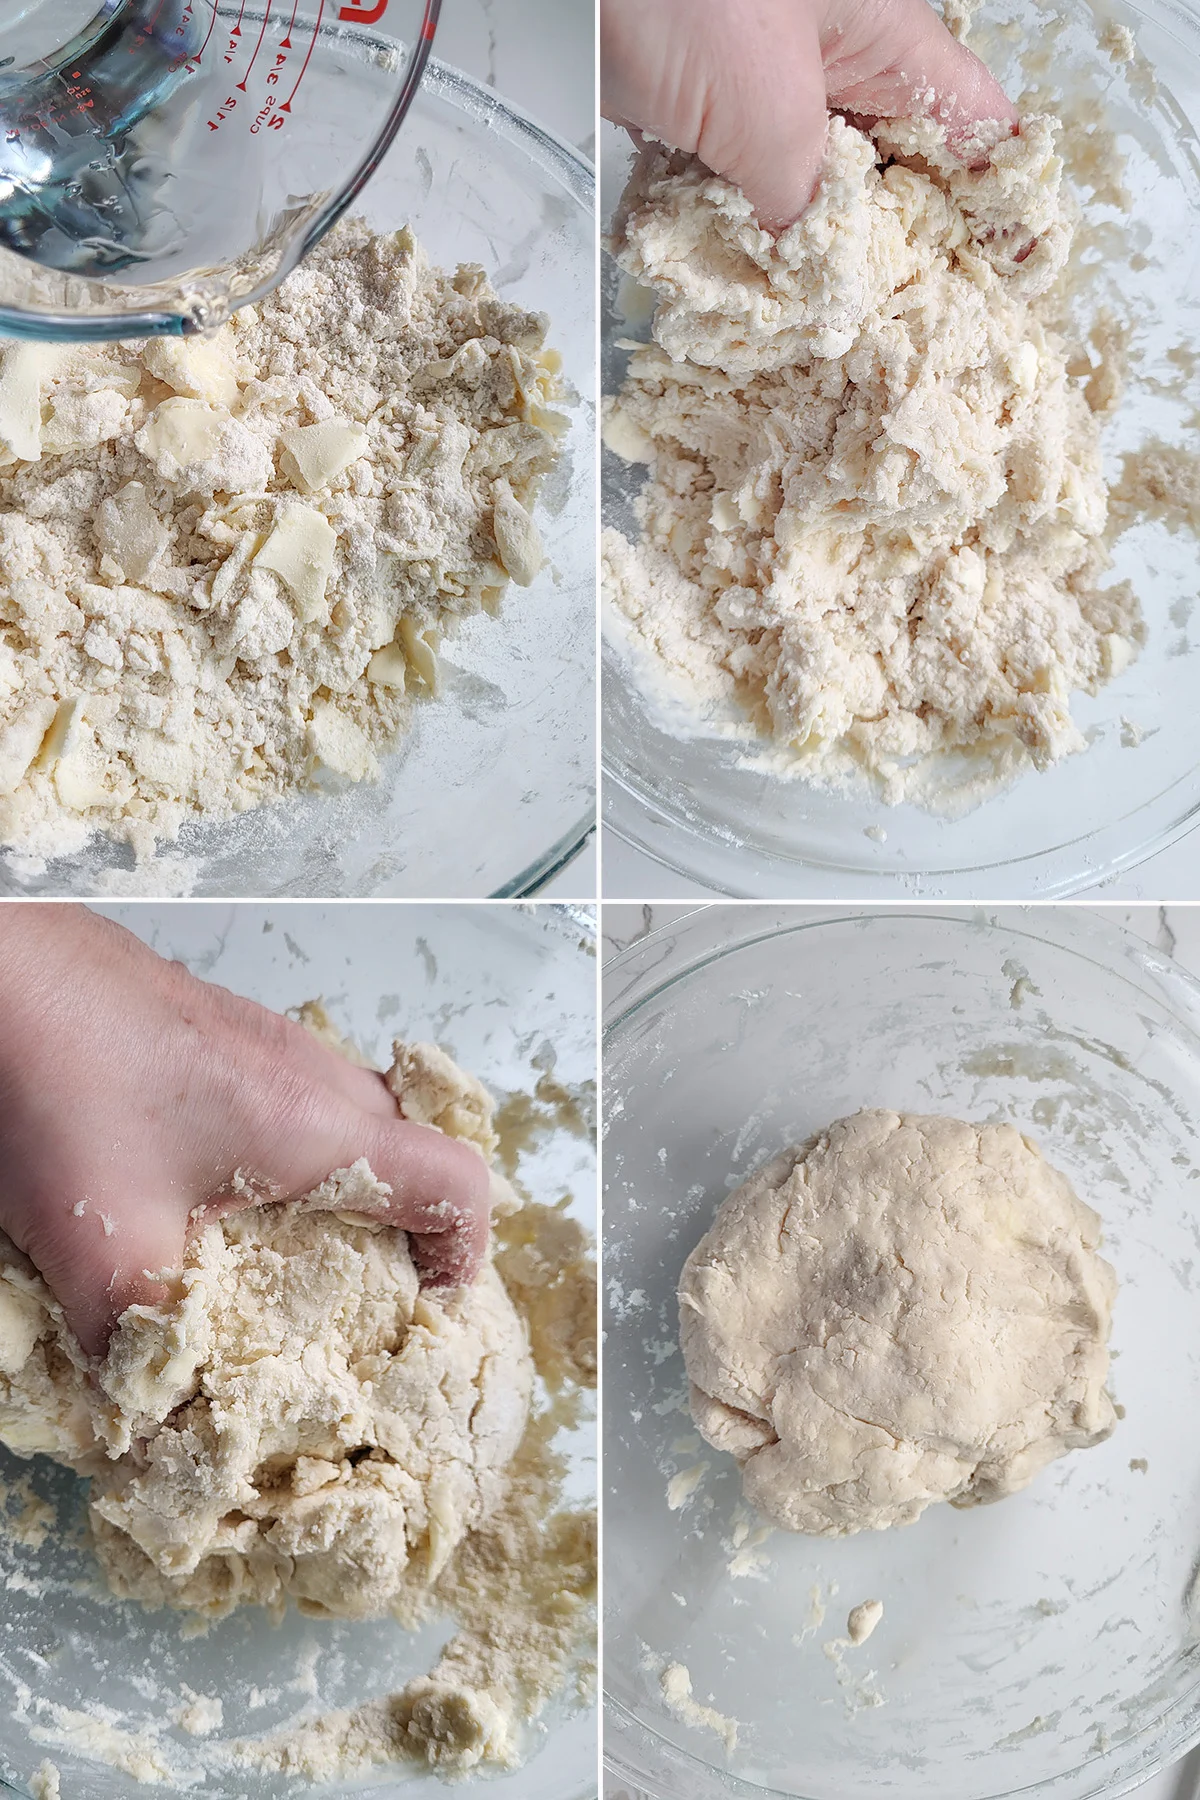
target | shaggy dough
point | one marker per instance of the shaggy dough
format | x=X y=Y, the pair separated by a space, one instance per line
x=902 y=1310
x=734 y=297
x=873 y=533
x=300 y=1421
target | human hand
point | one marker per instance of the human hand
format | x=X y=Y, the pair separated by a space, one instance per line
x=132 y=1094
x=747 y=84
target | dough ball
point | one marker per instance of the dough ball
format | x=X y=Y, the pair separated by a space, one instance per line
x=902 y=1310
x=300 y=1421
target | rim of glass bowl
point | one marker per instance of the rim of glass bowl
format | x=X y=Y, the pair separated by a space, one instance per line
x=643 y=972
x=642 y=821
x=540 y=874
x=588 y=1792
x=636 y=1754
x=578 y=176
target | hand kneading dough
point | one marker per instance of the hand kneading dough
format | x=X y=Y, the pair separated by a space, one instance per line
x=299 y=1421
x=902 y=1310
x=873 y=529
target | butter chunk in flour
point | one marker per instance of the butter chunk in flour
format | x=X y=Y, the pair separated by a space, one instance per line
x=225 y=565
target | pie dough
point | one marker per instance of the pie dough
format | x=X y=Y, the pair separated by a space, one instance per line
x=300 y=1420
x=902 y=1310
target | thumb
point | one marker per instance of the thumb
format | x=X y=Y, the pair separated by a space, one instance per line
x=105 y=1256
x=894 y=59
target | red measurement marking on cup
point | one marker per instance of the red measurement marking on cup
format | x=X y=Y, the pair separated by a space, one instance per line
x=262 y=34
x=229 y=104
x=78 y=100
x=145 y=33
x=287 y=105
x=287 y=42
x=362 y=12
x=232 y=47
x=181 y=29
x=212 y=26
x=270 y=113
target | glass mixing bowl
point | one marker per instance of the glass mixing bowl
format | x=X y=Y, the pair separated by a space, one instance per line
x=498 y=986
x=494 y=789
x=1048 y=1645
x=691 y=801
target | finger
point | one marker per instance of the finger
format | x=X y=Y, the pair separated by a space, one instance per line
x=366 y=1088
x=100 y=1257
x=895 y=59
x=439 y=1187
x=284 y=1042
x=439 y=1193
x=740 y=86
x=765 y=124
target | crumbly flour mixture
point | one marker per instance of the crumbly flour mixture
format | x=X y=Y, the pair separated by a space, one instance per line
x=226 y=565
x=903 y=1310
x=873 y=529
x=301 y=1422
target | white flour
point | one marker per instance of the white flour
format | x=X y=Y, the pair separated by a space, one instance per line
x=873 y=533
x=225 y=566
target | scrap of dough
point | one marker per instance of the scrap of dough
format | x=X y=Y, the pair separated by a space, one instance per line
x=200 y=1715
x=681 y=1487
x=863 y=1619
x=903 y=1310
x=676 y=1685
x=872 y=536
x=298 y=1421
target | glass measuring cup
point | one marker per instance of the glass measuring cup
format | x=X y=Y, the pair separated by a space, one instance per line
x=163 y=162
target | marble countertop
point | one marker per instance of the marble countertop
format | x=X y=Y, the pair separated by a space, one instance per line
x=1174 y=929
x=540 y=54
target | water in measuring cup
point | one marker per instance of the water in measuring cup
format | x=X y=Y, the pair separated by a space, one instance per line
x=86 y=167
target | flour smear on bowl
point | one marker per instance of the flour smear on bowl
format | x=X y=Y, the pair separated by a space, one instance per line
x=875 y=540
x=227 y=564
